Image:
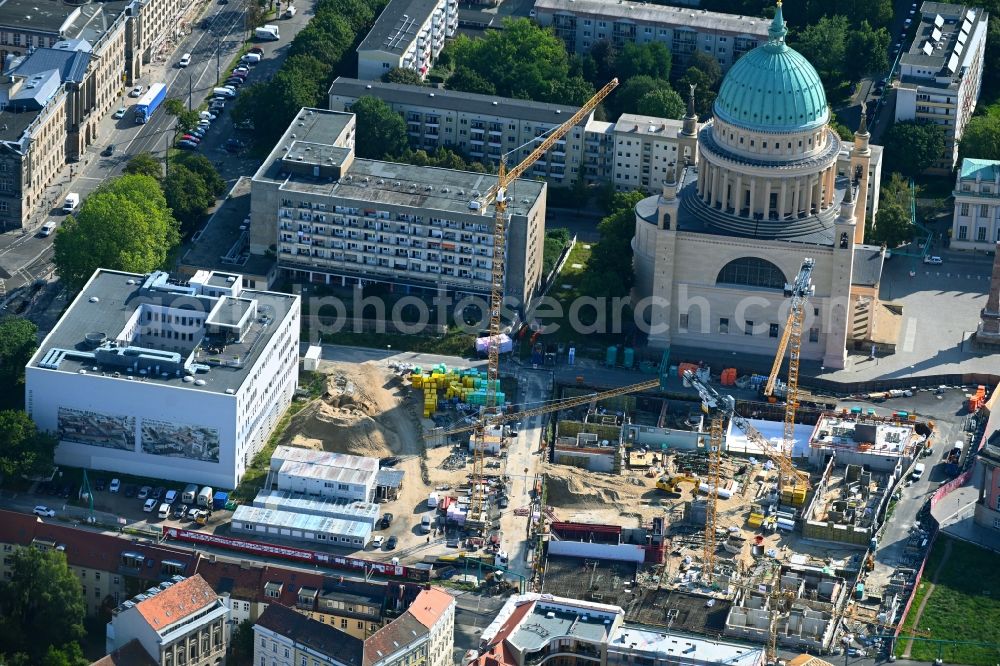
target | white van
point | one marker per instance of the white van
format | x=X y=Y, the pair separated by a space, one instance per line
x=918 y=471
x=432 y=501
x=185 y=60
x=290 y=12
x=228 y=93
x=205 y=497
x=164 y=511
x=251 y=58
x=190 y=493
x=71 y=202
x=425 y=524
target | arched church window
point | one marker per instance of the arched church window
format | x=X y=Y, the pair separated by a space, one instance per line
x=752 y=272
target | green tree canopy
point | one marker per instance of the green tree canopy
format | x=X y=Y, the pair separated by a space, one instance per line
x=204 y=168
x=41 y=604
x=911 y=147
x=626 y=98
x=824 y=44
x=867 y=51
x=124 y=225
x=174 y=106
x=404 y=76
x=18 y=341
x=981 y=138
x=380 y=130
x=241 y=645
x=522 y=61
x=648 y=59
x=24 y=451
x=144 y=164
x=187 y=196
x=662 y=103
x=609 y=271
x=465 y=79
x=892 y=226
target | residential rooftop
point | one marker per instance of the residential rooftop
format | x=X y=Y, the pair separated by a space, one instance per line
x=130 y=654
x=373 y=182
x=101 y=334
x=864 y=434
x=650 y=126
x=441 y=100
x=170 y=602
x=686 y=17
x=397 y=26
x=323 y=638
x=973 y=169
x=89 y=21
x=547 y=620
x=388 y=640
x=673 y=646
x=938 y=54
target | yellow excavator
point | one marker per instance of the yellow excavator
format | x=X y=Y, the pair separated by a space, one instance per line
x=670 y=483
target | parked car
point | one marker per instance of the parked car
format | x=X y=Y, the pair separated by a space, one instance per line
x=386 y=520
x=187 y=145
x=137 y=91
x=234 y=81
x=242 y=70
x=158 y=492
x=47 y=228
x=115 y=486
x=191 y=137
x=119 y=113
x=256 y=49
x=109 y=151
x=43 y=511
x=936 y=261
x=391 y=543
x=185 y=60
x=377 y=542
x=180 y=511
x=144 y=492
x=234 y=145
x=193 y=513
x=150 y=505
x=205 y=115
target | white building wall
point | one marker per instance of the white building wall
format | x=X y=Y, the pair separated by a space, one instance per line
x=442 y=639
x=373 y=64
x=271 y=648
x=131 y=625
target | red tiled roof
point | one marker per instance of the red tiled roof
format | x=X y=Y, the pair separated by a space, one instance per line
x=130 y=654
x=430 y=605
x=176 y=602
x=400 y=632
x=92 y=550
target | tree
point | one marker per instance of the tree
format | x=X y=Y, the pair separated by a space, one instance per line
x=187 y=120
x=41 y=605
x=892 y=226
x=124 y=225
x=626 y=98
x=609 y=271
x=911 y=147
x=144 y=164
x=603 y=54
x=241 y=645
x=708 y=67
x=204 y=168
x=868 y=49
x=187 y=196
x=174 y=106
x=842 y=130
x=24 y=451
x=981 y=138
x=464 y=79
x=649 y=59
x=824 y=44
x=404 y=76
x=381 y=131
x=662 y=103
x=18 y=341
x=326 y=38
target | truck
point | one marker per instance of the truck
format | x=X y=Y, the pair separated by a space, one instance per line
x=205 y=497
x=267 y=32
x=190 y=494
x=953 y=459
x=149 y=102
x=71 y=202
x=219 y=500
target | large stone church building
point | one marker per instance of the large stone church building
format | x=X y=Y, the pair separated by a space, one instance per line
x=764 y=184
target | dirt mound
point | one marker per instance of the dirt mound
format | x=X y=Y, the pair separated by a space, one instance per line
x=566 y=489
x=363 y=412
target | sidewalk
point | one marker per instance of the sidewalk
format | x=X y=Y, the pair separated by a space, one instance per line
x=955 y=514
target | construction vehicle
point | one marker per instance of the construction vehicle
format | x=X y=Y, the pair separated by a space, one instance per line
x=670 y=483
x=791 y=340
x=498 y=196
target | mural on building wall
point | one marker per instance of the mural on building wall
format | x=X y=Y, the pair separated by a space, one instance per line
x=163 y=438
x=96 y=429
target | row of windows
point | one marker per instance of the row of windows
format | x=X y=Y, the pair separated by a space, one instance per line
x=773 y=330
x=981 y=232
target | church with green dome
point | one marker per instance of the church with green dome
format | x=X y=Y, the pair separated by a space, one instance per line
x=762 y=185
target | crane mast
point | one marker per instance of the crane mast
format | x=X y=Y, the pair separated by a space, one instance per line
x=499 y=197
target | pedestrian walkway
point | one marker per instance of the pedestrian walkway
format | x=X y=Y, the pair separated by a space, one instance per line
x=955 y=515
x=930 y=592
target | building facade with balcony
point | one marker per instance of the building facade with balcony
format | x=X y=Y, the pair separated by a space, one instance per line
x=336 y=219
x=180 y=622
x=976 y=221
x=535 y=629
x=684 y=30
x=408 y=34
x=941 y=74
x=163 y=378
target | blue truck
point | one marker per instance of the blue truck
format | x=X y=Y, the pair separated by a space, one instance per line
x=149 y=102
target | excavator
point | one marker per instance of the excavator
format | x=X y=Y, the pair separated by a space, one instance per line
x=669 y=483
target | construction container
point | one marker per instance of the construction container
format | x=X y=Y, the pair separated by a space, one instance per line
x=684 y=367
x=628 y=358
x=728 y=377
x=611 y=358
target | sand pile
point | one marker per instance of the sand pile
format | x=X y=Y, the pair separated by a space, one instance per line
x=568 y=489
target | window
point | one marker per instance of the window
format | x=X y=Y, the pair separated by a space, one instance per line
x=963 y=232
x=748 y=327
x=996 y=523
x=963 y=210
x=773 y=331
x=984 y=210
x=724 y=325
x=752 y=272
x=683 y=323
x=343 y=623
x=813 y=335
x=981 y=234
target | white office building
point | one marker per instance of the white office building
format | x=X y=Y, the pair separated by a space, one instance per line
x=160 y=378
x=408 y=34
x=942 y=72
x=584 y=23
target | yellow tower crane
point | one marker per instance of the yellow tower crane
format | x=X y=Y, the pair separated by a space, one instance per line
x=497 y=195
x=791 y=340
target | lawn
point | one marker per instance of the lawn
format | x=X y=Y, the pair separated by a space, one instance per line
x=964 y=606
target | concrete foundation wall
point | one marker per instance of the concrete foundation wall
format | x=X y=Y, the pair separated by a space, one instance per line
x=586 y=459
x=846 y=534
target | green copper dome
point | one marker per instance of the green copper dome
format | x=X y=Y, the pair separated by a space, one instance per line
x=773 y=88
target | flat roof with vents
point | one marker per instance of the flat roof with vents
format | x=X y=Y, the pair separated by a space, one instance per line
x=944 y=42
x=397 y=26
